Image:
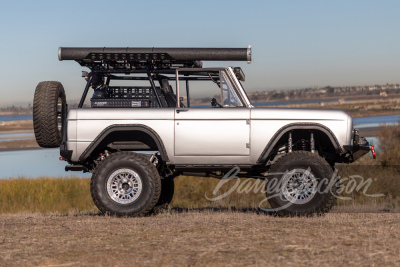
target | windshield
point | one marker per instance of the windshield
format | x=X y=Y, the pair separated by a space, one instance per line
x=229 y=96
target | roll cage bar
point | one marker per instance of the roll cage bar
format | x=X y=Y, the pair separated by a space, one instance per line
x=153 y=62
x=196 y=74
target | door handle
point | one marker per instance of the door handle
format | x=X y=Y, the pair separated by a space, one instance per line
x=181 y=110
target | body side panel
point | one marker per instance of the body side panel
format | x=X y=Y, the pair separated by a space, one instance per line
x=266 y=122
x=91 y=122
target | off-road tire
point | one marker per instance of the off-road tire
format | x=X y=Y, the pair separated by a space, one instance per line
x=167 y=193
x=46 y=113
x=325 y=196
x=150 y=181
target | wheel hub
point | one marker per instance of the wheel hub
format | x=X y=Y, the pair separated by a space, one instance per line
x=124 y=186
x=299 y=186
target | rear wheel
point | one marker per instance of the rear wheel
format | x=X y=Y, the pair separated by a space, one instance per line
x=49 y=110
x=305 y=184
x=125 y=184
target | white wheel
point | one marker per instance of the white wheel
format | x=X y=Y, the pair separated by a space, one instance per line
x=299 y=186
x=124 y=186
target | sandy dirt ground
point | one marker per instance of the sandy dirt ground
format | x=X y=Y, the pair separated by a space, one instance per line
x=200 y=238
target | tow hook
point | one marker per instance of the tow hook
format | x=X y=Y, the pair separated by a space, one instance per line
x=373 y=151
x=62 y=159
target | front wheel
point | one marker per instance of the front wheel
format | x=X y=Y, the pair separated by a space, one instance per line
x=125 y=184
x=304 y=184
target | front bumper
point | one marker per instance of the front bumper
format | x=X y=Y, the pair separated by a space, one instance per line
x=359 y=148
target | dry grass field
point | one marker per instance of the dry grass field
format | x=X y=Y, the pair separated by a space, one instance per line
x=72 y=195
x=200 y=238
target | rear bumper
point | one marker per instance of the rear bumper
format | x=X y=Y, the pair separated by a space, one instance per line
x=67 y=155
x=64 y=152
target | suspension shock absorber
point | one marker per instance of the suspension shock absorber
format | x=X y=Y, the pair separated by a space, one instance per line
x=290 y=141
x=312 y=142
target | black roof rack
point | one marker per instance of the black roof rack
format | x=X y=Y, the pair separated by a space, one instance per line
x=129 y=59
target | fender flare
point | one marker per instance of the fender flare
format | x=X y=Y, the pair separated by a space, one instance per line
x=297 y=126
x=125 y=128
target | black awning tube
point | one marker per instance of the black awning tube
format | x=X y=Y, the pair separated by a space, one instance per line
x=88 y=54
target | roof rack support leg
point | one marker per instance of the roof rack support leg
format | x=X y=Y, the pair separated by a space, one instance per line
x=154 y=89
x=187 y=93
x=85 y=92
x=178 y=101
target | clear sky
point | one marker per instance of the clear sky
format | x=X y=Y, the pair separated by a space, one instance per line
x=296 y=44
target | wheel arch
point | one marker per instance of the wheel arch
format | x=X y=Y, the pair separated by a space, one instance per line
x=278 y=136
x=131 y=132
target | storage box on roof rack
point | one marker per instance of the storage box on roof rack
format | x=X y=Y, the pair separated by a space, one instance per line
x=119 y=103
x=127 y=97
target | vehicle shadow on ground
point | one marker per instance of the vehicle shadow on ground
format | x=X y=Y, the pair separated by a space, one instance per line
x=224 y=209
x=185 y=210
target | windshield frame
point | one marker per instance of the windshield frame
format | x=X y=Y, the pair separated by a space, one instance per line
x=224 y=78
x=239 y=88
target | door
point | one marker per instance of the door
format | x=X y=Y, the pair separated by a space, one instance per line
x=212 y=132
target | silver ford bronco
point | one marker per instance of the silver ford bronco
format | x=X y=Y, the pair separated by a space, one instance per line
x=139 y=130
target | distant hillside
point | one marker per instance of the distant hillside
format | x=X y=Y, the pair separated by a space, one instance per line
x=15 y=110
x=326 y=92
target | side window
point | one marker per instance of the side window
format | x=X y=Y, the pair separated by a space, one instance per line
x=197 y=89
x=229 y=96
